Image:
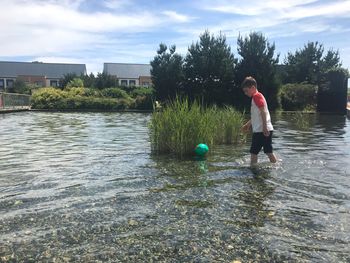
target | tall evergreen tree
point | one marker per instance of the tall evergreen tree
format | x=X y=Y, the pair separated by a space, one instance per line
x=259 y=61
x=309 y=64
x=209 y=69
x=167 y=73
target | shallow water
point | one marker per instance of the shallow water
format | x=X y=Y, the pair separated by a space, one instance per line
x=84 y=187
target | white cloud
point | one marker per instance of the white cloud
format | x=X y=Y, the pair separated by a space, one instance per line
x=50 y=15
x=266 y=14
x=117 y=4
x=253 y=8
x=130 y=31
x=36 y=28
x=177 y=17
x=275 y=18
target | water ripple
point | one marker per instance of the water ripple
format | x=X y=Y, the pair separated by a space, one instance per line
x=84 y=187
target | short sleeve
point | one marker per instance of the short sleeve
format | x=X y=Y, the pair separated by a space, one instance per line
x=259 y=100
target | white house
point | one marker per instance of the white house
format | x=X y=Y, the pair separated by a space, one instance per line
x=130 y=74
x=41 y=74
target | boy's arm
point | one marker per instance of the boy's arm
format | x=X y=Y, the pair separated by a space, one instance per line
x=247 y=126
x=263 y=117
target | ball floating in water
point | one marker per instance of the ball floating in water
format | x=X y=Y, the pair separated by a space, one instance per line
x=201 y=149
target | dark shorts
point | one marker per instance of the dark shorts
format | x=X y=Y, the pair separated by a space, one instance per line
x=259 y=140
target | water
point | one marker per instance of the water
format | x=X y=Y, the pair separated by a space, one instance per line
x=84 y=187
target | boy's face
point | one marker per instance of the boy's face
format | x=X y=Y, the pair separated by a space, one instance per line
x=249 y=91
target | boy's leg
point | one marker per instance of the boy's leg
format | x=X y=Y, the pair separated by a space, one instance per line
x=257 y=144
x=253 y=159
x=272 y=157
x=268 y=150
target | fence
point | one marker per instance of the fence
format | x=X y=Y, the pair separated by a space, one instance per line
x=14 y=101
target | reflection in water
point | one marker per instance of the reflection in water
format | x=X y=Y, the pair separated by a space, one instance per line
x=84 y=187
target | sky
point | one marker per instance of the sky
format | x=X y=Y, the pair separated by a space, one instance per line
x=92 y=32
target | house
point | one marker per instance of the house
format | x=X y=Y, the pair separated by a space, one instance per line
x=38 y=73
x=130 y=74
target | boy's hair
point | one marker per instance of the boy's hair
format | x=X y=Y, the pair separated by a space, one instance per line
x=248 y=82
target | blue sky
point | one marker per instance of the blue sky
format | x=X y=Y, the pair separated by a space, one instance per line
x=130 y=31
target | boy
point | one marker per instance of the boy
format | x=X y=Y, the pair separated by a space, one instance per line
x=260 y=122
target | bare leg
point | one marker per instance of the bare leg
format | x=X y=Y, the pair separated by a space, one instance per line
x=253 y=159
x=272 y=157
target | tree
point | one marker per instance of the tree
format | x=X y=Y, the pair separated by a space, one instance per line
x=104 y=80
x=309 y=63
x=259 y=61
x=332 y=91
x=75 y=83
x=167 y=73
x=66 y=79
x=19 y=86
x=89 y=80
x=209 y=69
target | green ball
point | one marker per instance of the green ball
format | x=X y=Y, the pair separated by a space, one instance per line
x=201 y=149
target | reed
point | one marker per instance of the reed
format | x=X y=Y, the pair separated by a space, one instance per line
x=181 y=125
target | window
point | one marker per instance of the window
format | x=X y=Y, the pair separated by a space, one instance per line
x=124 y=82
x=145 y=84
x=9 y=83
x=53 y=83
x=2 y=84
x=132 y=83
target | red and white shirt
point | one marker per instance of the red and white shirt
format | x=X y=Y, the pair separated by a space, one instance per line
x=258 y=101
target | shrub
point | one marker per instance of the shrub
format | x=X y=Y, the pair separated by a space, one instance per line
x=19 y=86
x=48 y=98
x=75 y=83
x=75 y=91
x=143 y=103
x=298 y=96
x=92 y=92
x=74 y=99
x=142 y=91
x=114 y=93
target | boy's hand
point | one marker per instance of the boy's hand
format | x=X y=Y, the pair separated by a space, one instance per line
x=245 y=128
x=266 y=132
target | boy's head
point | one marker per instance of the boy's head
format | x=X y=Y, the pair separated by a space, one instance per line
x=249 y=86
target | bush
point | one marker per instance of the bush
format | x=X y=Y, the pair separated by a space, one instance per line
x=115 y=93
x=74 y=99
x=298 y=96
x=92 y=92
x=143 y=103
x=48 y=98
x=75 y=91
x=142 y=91
x=75 y=83
x=21 y=87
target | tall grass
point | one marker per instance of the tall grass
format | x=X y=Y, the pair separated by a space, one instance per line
x=181 y=125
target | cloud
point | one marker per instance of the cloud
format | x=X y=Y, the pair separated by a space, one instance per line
x=253 y=8
x=130 y=31
x=31 y=28
x=288 y=17
x=49 y=15
x=177 y=17
x=117 y=4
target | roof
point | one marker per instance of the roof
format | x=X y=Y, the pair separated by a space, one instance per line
x=128 y=71
x=49 y=70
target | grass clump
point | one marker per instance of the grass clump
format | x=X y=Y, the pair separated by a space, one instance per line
x=181 y=125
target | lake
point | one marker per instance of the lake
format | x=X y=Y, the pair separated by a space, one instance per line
x=84 y=187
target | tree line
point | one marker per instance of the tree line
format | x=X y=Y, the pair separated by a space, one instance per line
x=212 y=73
